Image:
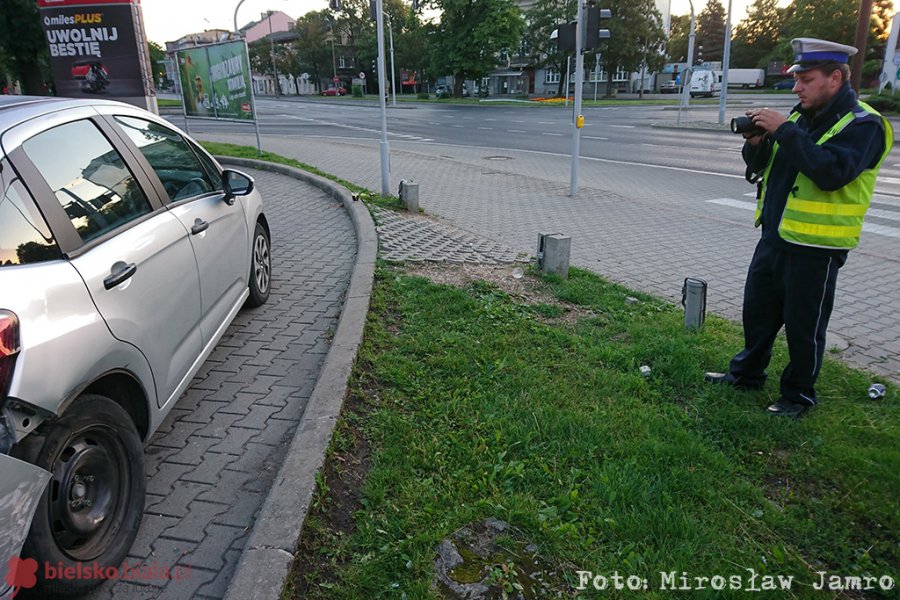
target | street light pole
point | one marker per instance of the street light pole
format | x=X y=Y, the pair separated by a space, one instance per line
x=272 y=41
x=393 y=73
x=385 y=150
x=726 y=58
x=579 y=83
x=235 y=16
x=689 y=72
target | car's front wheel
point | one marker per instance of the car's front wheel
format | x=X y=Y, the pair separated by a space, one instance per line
x=260 y=268
x=92 y=507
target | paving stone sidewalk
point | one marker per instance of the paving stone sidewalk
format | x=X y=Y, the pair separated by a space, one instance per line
x=631 y=236
x=213 y=461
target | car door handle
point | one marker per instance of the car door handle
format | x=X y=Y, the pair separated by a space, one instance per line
x=120 y=272
x=199 y=226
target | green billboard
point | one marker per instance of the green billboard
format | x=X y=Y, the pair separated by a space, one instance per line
x=215 y=81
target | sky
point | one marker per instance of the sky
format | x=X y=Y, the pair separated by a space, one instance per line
x=168 y=20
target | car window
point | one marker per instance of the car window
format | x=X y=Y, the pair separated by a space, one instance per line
x=171 y=158
x=209 y=165
x=24 y=235
x=88 y=177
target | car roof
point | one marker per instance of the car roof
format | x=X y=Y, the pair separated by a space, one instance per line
x=16 y=109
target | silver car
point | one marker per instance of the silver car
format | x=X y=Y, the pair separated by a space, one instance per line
x=125 y=252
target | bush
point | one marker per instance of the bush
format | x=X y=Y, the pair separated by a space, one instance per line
x=883 y=104
x=357 y=91
x=422 y=95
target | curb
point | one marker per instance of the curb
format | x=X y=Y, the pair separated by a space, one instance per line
x=266 y=559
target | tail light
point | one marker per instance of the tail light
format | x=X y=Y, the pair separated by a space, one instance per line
x=9 y=349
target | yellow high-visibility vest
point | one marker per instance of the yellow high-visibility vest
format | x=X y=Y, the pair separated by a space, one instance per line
x=821 y=219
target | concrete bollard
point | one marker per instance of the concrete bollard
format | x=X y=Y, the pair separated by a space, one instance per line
x=693 y=298
x=553 y=253
x=409 y=195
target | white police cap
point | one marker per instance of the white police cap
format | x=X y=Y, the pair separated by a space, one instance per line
x=811 y=52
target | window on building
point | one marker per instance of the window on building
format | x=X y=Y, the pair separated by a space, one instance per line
x=551 y=76
x=341 y=63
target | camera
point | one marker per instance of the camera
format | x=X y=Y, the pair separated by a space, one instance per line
x=745 y=125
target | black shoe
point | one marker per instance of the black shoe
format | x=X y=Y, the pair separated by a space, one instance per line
x=729 y=379
x=787 y=408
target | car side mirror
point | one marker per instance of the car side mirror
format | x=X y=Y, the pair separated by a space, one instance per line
x=236 y=184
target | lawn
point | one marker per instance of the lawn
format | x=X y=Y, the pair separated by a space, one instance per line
x=523 y=401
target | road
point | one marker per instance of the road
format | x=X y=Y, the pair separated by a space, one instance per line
x=655 y=203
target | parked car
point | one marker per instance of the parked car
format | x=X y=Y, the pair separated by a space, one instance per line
x=125 y=252
x=338 y=91
x=784 y=84
x=669 y=87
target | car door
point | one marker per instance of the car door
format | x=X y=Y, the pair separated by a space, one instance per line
x=219 y=233
x=133 y=255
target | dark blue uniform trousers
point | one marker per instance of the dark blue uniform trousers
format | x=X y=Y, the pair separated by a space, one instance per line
x=794 y=290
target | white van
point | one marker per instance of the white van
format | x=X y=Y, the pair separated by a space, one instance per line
x=706 y=83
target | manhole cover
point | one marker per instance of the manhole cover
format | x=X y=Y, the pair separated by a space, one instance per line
x=498 y=158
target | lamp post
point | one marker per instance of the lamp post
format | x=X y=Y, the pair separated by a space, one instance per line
x=235 y=16
x=385 y=149
x=393 y=78
x=689 y=71
x=726 y=58
x=268 y=15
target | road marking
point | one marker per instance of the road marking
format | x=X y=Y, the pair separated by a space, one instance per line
x=486 y=128
x=545 y=122
x=885 y=230
x=594 y=137
x=623 y=126
x=750 y=194
x=734 y=203
x=652 y=145
x=514 y=121
x=515 y=131
x=553 y=134
x=457 y=126
x=490 y=119
x=894 y=180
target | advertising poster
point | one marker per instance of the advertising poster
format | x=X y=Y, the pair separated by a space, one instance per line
x=215 y=81
x=94 y=48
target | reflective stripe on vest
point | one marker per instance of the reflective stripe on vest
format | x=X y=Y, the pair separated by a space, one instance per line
x=817 y=218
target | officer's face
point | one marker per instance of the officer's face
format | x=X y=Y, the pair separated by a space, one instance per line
x=814 y=88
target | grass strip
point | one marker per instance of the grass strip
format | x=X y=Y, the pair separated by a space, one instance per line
x=472 y=403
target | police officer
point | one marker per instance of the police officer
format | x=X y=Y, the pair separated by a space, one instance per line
x=816 y=173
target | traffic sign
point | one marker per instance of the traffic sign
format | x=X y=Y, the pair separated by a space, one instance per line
x=362 y=75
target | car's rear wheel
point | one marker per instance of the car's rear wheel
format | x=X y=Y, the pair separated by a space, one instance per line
x=260 y=268
x=92 y=507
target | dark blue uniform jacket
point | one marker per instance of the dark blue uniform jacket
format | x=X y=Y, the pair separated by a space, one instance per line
x=830 y=166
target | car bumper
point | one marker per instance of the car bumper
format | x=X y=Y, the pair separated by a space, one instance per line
x=21 y=486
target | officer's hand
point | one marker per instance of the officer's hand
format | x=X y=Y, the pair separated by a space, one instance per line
x=754 y=139
x=766 y=118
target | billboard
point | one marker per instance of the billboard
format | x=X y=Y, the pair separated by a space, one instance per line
x=890 y=70
x=215 y=81
x=96 y=48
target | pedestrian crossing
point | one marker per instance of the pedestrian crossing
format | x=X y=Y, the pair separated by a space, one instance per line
x=868 y=227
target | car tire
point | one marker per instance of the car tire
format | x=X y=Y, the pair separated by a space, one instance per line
x=260 y=268
x=96 y=459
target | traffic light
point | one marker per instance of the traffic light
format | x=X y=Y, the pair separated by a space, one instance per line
x=373 y=10
x=593 y=32
x=334 y=4
x=565 y=37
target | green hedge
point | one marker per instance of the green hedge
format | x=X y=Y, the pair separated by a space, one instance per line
x=357 y=91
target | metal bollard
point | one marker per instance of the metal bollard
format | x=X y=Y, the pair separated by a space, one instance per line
x=409 y=195
x=553 y=253
x=693 y=298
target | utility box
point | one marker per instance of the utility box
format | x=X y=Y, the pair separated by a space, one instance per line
x=553 y=253
x=409 y=195
x=693 y=298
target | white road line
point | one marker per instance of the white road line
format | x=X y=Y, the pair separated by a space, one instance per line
x=490 y=119
x=623 y=126
x=486 y=128
x=750 y=194
x=515 y=131
x=734 y=203
x=594 y=137
x=457 y=126
x=553 y=134
x=545 y=122
x=876 y=228
x=894 y=180
x=652 y=145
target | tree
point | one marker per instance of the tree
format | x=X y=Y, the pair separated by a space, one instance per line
x=636 y=36
x=470 y=35
x=313 y=48
x=23 y=49
x=756 y=37
x=711 y=31
x=157 y=62
x=679 y=34
x=542 y=19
